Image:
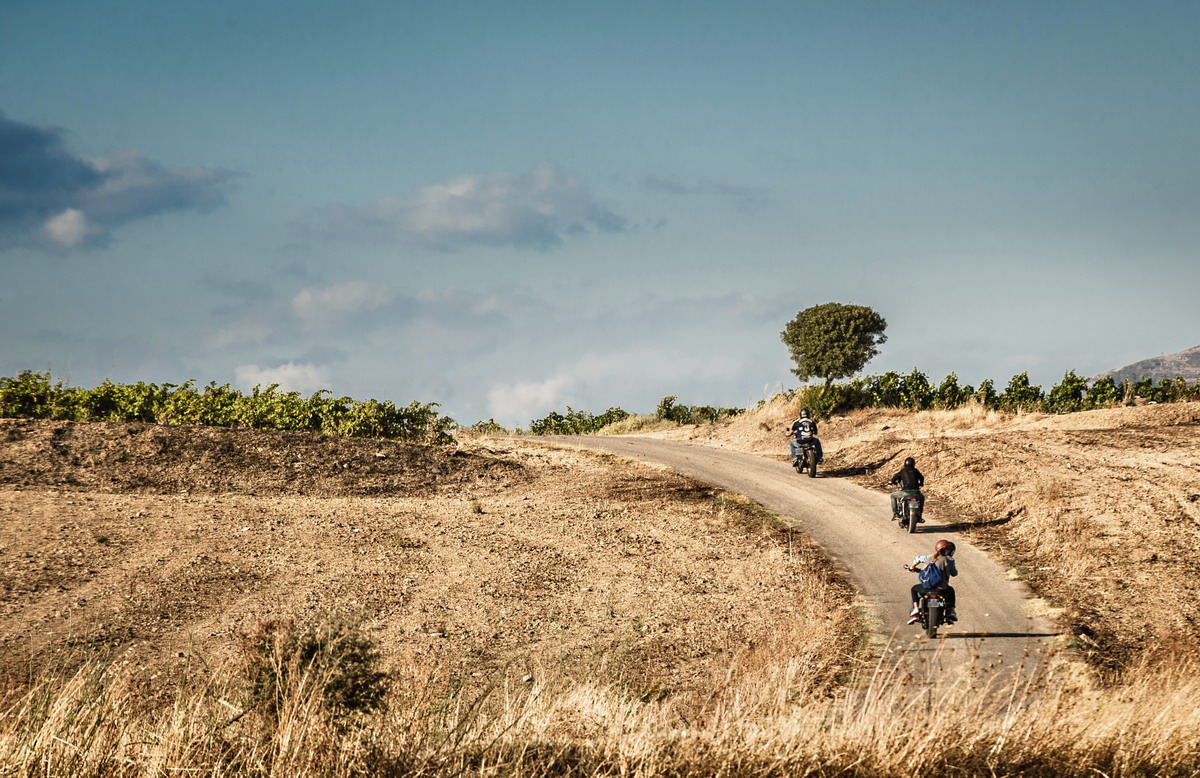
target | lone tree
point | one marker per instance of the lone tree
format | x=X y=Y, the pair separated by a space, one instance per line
x=833 y=340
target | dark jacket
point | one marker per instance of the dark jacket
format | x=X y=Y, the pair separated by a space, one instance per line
x=799 y=426
x=908 y=478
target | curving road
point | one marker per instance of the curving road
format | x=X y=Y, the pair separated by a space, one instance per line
x=850 y=522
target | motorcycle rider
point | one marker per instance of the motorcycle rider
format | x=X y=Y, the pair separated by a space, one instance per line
x=804 y=429
x=910 y=481
x=942 y=558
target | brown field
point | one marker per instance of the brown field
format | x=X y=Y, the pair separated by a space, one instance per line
x=552 y=612
x=158 y=544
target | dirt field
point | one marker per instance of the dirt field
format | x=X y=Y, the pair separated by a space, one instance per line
x=156 y=544
x=1098 y=511
x=159 y=544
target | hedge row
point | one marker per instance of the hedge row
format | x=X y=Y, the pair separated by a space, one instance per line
x=915 y=392
x=32 y=395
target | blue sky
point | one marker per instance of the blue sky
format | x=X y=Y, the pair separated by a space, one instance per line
x=509 y=208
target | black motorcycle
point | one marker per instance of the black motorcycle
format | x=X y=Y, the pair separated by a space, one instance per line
x=911 y=508
x=931 y=608
x=806 y=459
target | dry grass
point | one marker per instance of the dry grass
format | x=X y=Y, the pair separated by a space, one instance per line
x=771 y=714
x=637 y=423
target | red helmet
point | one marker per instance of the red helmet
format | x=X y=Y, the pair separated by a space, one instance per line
x=944 y=547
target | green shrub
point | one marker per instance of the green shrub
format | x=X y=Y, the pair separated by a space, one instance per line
x=335 y=655
x=886 y=391
x=915 y=392
x=667 y=409
x=1068 y=396
x=1020 y=395
x=950 y=395
x=31 y=395
x=575 y=422
x=1104 y=393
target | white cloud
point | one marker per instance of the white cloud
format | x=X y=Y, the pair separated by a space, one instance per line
x=614 y=374
x=518 y=403
x=291 y=377
x=653 y=365
x=318 y=306
x=68 y=229
x=239 y=333
x=534 y=209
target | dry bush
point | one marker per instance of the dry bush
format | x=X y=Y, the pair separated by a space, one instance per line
x=637 y=423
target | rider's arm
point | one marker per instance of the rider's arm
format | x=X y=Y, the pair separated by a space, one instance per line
x=950 y=566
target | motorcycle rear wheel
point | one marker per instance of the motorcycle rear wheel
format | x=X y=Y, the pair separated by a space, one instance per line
x=932 y=618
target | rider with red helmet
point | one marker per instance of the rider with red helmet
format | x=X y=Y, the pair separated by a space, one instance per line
x=942 y=558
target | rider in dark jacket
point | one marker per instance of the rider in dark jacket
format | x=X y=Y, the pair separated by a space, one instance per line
x=804 y=428
x=910 y=481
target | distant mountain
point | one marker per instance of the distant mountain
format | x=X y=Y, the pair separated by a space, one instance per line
x=1184 y=363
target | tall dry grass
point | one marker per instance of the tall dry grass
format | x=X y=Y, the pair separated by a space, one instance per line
x=770 y=715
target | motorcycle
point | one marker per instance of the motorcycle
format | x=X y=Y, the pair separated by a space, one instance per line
x=932 y=610
x=806 y=459
x=911 y=510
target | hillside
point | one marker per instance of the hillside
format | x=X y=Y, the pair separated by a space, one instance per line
x=1184 y=364
x=545 y=611
x=161 y=545
x=1098 y=511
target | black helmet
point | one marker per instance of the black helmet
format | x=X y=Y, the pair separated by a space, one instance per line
x=910 y=462
x=804 y=413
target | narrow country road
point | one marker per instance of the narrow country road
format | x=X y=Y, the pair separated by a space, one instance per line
x=850 y=522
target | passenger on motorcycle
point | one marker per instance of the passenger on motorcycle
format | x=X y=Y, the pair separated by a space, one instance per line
x=910 y=481
x=804 y=430
x=943 y=558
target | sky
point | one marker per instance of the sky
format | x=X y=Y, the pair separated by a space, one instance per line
x=515 y=208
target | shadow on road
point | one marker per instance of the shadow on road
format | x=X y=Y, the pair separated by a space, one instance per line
x=846 y=472
x=964 y=635
x=960 y=526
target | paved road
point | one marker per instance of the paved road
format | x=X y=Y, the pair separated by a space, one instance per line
x=850 y=522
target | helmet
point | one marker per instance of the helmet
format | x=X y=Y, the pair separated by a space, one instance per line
x=910 y=462
x=944 y=547
x=804 y=413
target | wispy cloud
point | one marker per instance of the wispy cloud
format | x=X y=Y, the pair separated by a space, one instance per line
x=250 y=331
x=53 y=198
x=533 y=210
x=318 y=306
x=290 y=377
x=745 y=196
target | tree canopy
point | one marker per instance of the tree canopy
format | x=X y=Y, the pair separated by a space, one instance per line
x=833 y=340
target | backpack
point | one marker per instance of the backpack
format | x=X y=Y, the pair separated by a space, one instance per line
x=930 y=576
